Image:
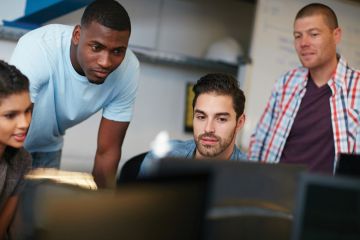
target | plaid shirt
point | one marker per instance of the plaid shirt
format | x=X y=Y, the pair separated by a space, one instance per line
x=268 y=140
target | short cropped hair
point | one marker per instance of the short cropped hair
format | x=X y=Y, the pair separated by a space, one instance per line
x=221 y=84
x=108 y=13
x=319 y=9
x=11 y=80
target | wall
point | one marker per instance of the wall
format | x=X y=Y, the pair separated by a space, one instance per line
x=176 y=26
x=185 y=27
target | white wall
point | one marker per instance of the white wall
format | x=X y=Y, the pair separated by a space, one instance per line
x=176 y=26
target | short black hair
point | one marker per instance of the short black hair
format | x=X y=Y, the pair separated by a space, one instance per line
x=11 y=80
x=221 y=84
x=319 y=9
x=108 y=13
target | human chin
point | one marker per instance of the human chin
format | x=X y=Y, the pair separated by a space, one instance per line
x=97 y=82
x=207 y=150
x=95 y=79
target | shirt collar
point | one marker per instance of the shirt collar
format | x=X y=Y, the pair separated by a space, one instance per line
x=338 y=80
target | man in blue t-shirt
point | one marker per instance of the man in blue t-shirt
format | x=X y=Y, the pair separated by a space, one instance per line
x=218 y=108
x=74 y=72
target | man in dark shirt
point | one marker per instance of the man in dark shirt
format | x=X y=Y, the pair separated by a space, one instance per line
x=312 y=113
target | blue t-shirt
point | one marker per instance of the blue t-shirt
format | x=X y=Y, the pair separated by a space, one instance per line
x=180 y=149
x=63 y=98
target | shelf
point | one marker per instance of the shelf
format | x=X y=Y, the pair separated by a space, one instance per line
x=175 y=59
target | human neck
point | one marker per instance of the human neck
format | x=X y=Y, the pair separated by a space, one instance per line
x=321 y=75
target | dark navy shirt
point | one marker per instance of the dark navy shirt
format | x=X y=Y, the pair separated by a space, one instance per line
x=311 y=140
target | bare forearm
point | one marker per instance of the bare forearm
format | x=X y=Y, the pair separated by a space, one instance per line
x=105 y=169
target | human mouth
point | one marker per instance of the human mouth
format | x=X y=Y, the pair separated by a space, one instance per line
x=307 y=54
x=208 y=140
x=101 y=74
x=20 y=137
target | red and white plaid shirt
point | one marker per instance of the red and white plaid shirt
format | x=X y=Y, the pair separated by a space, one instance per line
x=268 y=140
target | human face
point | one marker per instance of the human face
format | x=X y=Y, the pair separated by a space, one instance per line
x=215 y=126
x=15 y=117
x=97 y=50
x=315 y=42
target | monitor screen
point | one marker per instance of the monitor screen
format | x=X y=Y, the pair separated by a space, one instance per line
x=348 y=165
x=235 y=182
x=327 y=208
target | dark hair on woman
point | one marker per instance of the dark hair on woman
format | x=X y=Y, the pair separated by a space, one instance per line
x=108 y=13
x=221 y=84
x=12 y=81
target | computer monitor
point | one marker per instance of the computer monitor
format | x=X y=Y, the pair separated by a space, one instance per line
x=248 y=200
x=162 y=208
x=241 y=181
x=327 y=208
x=348 y=165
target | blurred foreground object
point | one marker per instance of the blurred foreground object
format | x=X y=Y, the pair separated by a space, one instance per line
x=160 y=146
x=81 y=179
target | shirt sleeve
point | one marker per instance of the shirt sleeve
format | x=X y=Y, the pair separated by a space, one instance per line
x=121 y=106
x=263 y=130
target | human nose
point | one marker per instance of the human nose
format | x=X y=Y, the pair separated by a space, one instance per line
x=209 y=126
x=104 y=60
x=304 y=41
x=24 y=121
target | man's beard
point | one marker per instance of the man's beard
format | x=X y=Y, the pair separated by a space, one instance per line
x=211 y=151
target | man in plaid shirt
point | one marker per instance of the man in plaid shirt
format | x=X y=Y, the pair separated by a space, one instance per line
x=313 y=113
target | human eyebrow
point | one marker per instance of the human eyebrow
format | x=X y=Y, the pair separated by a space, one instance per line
x=222 y=114
x=199 y=111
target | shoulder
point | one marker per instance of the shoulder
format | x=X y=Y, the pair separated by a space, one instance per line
x=130 y=62
x=19 y=164
x=238 y=154
x=128 y=72
x=51 y=31
x=181 y=143
x=292 y=78
x=21 y=160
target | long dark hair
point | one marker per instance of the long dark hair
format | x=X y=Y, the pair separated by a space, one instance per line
x=11 y=81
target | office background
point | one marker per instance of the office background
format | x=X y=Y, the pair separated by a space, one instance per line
x=186 y=29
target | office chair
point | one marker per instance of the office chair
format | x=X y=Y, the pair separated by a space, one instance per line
x=131 y=168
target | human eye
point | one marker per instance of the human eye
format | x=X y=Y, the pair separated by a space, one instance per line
x=28 y=110
x=222 y=119
x=199 y=116
x=10 y=115
x=297 y=36
x=314 y=34
x=119 y=51
x=95 y=47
